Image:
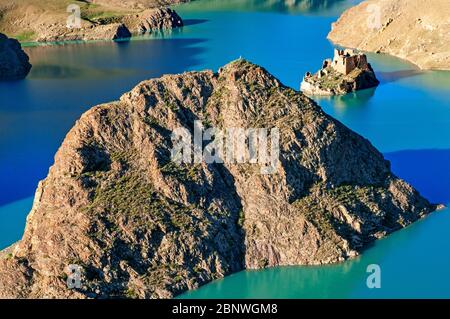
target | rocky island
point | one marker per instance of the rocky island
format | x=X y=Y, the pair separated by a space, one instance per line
x=415 y=30
x=53 y=20
x=347 y=72
x=14 y=62
x=141 y=226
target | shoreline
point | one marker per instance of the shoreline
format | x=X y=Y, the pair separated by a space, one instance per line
x=144 y=37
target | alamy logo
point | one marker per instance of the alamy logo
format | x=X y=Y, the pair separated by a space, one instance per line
x=74 y=277
x=374 y=19
x=74 y=19
x=374 y=279
x=233 y=145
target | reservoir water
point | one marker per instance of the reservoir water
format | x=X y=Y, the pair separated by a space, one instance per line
x=407 y=117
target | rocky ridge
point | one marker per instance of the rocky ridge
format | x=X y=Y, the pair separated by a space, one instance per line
x=141 y=226
x=14 y=62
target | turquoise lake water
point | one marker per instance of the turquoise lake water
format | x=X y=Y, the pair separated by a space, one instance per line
x=407 y=118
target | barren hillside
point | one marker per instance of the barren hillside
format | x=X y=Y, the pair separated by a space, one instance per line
x=415 y=30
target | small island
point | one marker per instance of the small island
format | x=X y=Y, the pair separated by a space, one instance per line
x=347 y=72
x=143 y=226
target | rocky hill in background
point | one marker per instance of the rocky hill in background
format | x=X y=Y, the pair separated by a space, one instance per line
x=142 y=226
x=47 y=21
x=14 y=62
x=415 y=30
x=327 y=7
x=138 y=4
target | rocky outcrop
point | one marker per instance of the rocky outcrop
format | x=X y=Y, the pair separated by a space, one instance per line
x=141 y=226
x=415 y=30
x=153 y=19
x=14 y=62
x=347 y=72
x=112 y=32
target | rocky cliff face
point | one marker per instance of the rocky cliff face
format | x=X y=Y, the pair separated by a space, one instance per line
x=153 y=19
x=143 y=226
x=415 y=30
x=14 y=62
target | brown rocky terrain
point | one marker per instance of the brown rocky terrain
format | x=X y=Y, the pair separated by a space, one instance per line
x=14 y=62
x=152 y=19
x=46 y=21
x=142 y=226
x=330 y=80
x=415 y=30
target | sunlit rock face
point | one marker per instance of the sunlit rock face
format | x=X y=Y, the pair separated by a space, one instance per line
x=415 y=30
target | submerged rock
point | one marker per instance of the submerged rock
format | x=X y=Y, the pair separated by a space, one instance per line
x=141 y=226
x=14 y=62
x=347 y=72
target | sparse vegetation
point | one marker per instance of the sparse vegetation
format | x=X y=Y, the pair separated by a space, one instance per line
x=241 y=218
x=182 y=172
x=131 y=294
x=25 y=36
x=96 y=14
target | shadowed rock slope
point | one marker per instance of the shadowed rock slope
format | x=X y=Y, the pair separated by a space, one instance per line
x=142 y=226
x=14 y=62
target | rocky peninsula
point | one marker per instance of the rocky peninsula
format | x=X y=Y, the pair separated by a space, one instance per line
x=14 y=62
x=53 y=21
x=141 y=226
x=415 y=30
x=347 y=72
